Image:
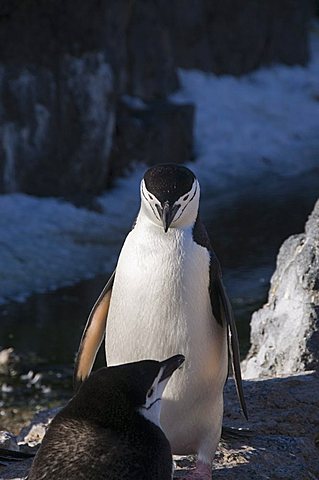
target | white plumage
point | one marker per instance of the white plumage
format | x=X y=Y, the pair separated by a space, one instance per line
x=160 y=306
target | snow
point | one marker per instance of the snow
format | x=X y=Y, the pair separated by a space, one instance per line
x=48 y=243
x=266 y=122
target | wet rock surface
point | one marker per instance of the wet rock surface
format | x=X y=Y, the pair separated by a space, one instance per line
x=285 y=332
x=284 y=424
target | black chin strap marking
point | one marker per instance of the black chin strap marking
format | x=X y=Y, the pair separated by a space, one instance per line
x=175 y=219
x=150 y=406
x=149 y=203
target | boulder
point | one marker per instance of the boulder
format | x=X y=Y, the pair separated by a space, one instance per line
x=285 y=332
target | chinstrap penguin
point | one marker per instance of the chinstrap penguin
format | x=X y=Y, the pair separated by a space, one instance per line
x=166 y=296
x=110 y=430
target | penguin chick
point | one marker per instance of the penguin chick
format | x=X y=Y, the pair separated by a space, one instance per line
x=166 y=296
x=110 y=430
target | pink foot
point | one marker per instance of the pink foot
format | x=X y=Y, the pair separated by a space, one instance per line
x=201 y=472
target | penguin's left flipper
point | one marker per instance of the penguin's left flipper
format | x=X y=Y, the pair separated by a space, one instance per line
x=223 y=312
x=93 y=335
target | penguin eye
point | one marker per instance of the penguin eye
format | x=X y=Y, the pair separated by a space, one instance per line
x=185 y=198
x=150 y=392
x=150 y=197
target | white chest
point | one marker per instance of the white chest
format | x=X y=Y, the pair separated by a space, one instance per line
x=160 y=300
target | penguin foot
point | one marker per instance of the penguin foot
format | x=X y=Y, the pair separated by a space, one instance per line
x=202 y=471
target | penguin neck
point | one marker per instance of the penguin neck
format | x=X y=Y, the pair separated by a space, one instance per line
x=146 y=225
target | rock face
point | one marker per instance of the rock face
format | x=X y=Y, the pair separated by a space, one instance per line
x=65 y=66
x=62 y=73
x=153 y=132
x=284 y=423
x=234 y=37
x=57 y=129
x=285 y=332
x=8 y=360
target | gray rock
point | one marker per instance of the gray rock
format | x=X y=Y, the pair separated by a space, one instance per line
x=284 y=424
x=151 y=66
x=33 y=434
x=63 y=68
x=235 y=37
x=56 y=127
x=64 y=65
x=8 y=361
x=152 y=132
x=7 y=440
x=285 y=332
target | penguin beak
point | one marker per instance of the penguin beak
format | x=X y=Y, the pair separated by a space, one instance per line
x=168 y=214
x=170 y=365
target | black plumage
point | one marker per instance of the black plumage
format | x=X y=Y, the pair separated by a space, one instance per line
x=221 y=308
x=168 y=182
x=100 y=434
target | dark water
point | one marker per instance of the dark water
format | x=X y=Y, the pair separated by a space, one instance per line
x=246 y=233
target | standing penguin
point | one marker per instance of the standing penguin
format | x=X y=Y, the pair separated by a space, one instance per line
x=110 y=430
x=166 y=296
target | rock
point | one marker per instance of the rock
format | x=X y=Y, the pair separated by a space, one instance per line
x=65 y=65
x=56 y=126
x=235 y=37
x=151 y=66
x=33 y=434
x=285 y=332
x=284 y=423
x=8 y=361
x=60 y=83
x=152 y=132
x=7 y=440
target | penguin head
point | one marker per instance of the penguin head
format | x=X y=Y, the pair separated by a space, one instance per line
x=170 y=196
x=112 y=394
x=151 y=407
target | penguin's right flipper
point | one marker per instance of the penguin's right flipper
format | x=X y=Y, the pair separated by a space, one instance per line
x=223 y=311
x=93 y=335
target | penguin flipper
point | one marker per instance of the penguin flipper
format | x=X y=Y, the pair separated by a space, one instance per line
x=222 y=310
x=93 y=335
x=221 y=307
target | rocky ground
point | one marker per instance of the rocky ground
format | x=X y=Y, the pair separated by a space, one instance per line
x=282 y=444
x=283 y=439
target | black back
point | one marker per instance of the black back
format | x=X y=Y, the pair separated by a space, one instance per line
x=168 y=181
x=221 y=308
x=100 y=435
